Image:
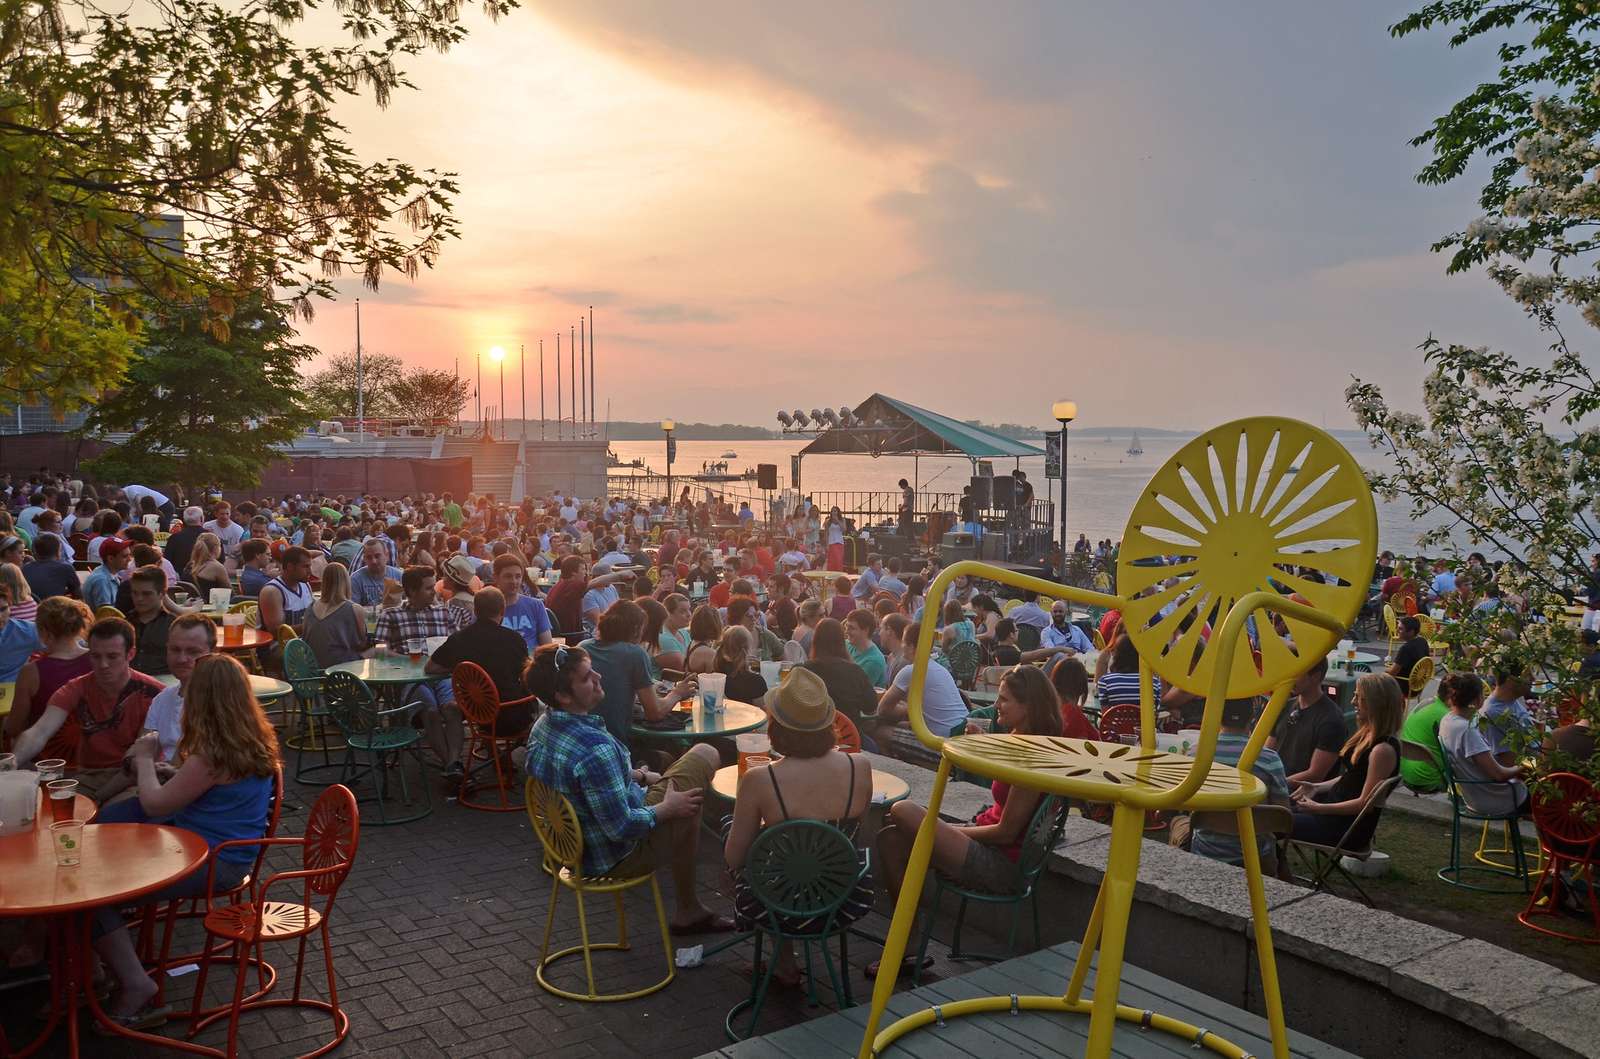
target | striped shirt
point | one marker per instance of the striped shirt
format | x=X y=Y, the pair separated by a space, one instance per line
x=1115 y=689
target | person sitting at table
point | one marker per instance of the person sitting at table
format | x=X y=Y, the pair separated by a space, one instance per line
x=1028 y=612
x=987 y=616
x=957 y=626
x=624 y=668
x=525 y=614
x=190 y=639
x=892 y=639
x=982 y=854
x=1421 y=726
x=1005 y=651
x=674 y=637
x=1488 y=786
x=420 y=617
x=655 y=619
x=1310 y=731
x=810 y=613
x=705 y=630
x=336 y=628
x=287 y=598
x=222 y=790
x=48 y=574
x=783 y=614
x=61 y=623
x=150 y=619
x=100 y=588
x=1061 y=634
x=722 y=591
x=371 y=585
x=601 y=593
x=805 y=784
x=1071 y=681
x=253 y=563
x=1413 y=648
x=913 y=600
x=92 y=720
x=734 y=652
x=842 y=603
x=848 y=684
x=858 y=629
x=943 y=705
x=633 y=820
x=1324 y=812
x=205 y=570
x=500 y=652
x=744 y=610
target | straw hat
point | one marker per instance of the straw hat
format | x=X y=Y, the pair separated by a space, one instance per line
x=460 y=570
x=801 y=703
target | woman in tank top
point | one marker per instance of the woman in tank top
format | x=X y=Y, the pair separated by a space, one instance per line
x=336 y=628
x=806 y=784
x=222 y=790
x=206 y=571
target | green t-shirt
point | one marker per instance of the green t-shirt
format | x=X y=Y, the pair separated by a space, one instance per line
x=872 y=662
x=452 y=515
x=1422 y=726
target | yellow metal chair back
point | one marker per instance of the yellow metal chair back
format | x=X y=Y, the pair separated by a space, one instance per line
x=1227 y=535
x=1421 y=673
x=1391 y=626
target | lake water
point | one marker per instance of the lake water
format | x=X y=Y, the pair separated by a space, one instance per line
x=1103 y=481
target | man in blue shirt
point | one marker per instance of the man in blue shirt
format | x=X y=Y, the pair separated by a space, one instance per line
x=866 y=585
x=18 y=639
x=524 y=615
x=253 y=576
x=1061 y=634
x=633 y=820
x=367 y=583
x=1503 y=711
x=100 y=588
x=890 y=582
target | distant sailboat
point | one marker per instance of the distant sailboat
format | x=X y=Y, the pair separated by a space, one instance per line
x=1134 y=448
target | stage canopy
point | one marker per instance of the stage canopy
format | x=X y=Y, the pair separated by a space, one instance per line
x=884 y=426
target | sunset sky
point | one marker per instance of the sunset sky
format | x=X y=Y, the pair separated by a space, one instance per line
x=1171 y=213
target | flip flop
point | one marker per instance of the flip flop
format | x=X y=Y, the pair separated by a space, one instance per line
x=146 y=1018
x=710 y=923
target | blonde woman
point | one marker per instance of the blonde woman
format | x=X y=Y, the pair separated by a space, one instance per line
x=23 y=606
x=336 y=628
x=206 y=571
x=1324 y=812
x=222 y=790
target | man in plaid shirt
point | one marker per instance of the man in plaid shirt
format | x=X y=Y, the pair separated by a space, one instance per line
x=418 y=618
x=633 y=820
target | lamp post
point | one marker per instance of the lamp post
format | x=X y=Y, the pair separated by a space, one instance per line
x=498 y=355
x=1064 y=412
x=667 y=426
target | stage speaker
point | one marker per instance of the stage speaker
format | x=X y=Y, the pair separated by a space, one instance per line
x=766 y=476
x=982 y=496
x=1004 y=497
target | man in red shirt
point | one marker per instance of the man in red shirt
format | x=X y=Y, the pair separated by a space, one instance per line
x=94 y=719
x=566 y=597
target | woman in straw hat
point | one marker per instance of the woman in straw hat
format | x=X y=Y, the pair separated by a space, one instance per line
x=984 y=853
x=813 y=781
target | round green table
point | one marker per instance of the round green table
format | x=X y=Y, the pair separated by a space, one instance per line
x=887 y=788
x=264 y=688
x=393 y=669
x=735 y=717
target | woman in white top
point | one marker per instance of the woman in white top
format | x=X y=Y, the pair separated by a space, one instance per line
x=1489 y=787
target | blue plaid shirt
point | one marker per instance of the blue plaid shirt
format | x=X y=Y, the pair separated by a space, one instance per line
x=574 y=754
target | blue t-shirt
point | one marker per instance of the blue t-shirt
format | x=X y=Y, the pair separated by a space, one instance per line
x=252 y=581
x=18 y=640
x=624 y=668
x=230 y=811
x=1269 y=770
x=527 y=617
x=367 y=590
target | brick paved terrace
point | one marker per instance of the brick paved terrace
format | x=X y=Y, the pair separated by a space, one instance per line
x=435 y=936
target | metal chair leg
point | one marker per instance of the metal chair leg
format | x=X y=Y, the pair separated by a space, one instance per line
x=1122 y=872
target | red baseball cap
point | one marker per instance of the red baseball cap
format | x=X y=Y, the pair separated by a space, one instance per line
x=113 y=546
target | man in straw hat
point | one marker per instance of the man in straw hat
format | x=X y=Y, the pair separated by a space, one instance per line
x=633 y=820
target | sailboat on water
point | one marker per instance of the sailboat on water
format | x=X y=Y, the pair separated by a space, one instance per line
x=1134 y=448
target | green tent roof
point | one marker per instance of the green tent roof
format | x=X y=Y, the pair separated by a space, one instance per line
x=892 y=427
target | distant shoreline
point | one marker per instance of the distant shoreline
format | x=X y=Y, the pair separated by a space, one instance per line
x=633 y=430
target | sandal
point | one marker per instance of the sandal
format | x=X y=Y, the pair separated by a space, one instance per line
x=146 y=1018
x=907 y=965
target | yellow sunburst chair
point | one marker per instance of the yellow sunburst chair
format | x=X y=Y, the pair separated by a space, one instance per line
x=1227 y=520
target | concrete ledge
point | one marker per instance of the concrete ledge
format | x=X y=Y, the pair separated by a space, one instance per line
x=1351 y=968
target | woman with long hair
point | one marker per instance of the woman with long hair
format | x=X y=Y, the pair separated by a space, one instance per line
x=984 y=853
x=1324 y=812
x=61 y=624
x=957 y=626
x=655 y=619
x=988 y=616
x=206 y=571
x=336 y=627
x=222 y=790
x=848 y=684
x=23 y=606
x=733 y=659
x=835 y=531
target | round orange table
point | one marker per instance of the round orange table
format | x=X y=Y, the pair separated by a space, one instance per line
x=120 y=863
x=249 y=640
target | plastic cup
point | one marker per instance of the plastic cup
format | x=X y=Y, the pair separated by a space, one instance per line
x=67 y=838
x=62 y=793
x=771 y=672
x=220 y=598
x=713 y=687
x=233 y=628
x=50 y=769
x=757 y=760
x=380 y=651
x=414 y=649
x=751 y=744
x=8 y=762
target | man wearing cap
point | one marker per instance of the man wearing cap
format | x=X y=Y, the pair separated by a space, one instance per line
x=459 y=572
x=100 y=589
x=633 y=820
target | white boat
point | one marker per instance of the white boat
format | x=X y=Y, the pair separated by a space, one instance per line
x=729 y=455
x=1134 y=448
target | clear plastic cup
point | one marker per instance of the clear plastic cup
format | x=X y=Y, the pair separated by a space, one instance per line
x=751 y=744
x=713 y=688
x=8 y=762
x=62 y=796
x=67 y=838
x=50 y=769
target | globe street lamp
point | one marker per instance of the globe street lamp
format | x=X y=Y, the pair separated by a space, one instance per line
x=1064 y=412
x=668 y=426
x=499 y=355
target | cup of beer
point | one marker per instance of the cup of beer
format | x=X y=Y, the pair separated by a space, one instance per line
x=50 y=769
x=67 y=838
x=233 y=628
x=61 y=795
x=752 y=745
x=414 y=649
